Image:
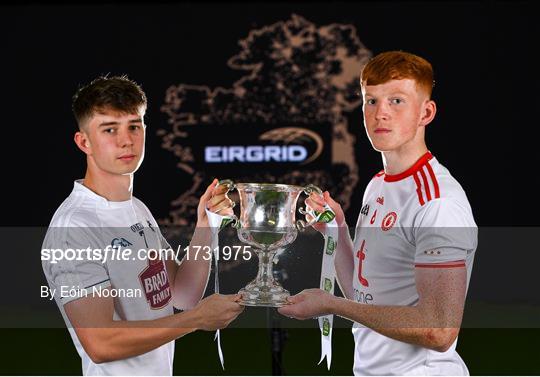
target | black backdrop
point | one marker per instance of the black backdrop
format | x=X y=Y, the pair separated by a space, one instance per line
x=481 y=52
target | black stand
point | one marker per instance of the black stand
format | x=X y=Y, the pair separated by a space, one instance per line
x=278 y=335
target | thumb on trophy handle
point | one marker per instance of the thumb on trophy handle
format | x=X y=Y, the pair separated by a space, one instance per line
x=235 y=222
x=301 y=225
x=228 y=183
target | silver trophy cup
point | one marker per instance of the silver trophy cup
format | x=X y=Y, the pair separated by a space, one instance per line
x=267 y=222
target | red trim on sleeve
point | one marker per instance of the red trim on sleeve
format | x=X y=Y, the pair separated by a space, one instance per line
x=434 y=180
x=419 y=190
x=439 y=265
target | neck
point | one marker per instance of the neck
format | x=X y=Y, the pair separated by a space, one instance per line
x=396 y=162
x=114 y=188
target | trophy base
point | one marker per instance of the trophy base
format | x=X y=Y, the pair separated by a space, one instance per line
x=275 y=297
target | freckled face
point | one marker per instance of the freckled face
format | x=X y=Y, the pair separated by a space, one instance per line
x=392 y=113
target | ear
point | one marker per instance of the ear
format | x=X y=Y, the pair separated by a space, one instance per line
x=83 y=142
x=428 y=112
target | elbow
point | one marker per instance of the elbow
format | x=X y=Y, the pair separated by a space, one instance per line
x=441 y=340
x=97 y=354
x=442 y=347
x=102 y=354
x=98 y=359
x=96 y=348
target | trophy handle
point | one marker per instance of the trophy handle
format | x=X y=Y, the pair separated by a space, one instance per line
x=301 y=225
x=230 y=186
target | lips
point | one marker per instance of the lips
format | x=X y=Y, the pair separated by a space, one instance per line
x=127 y=157
x=382 y=130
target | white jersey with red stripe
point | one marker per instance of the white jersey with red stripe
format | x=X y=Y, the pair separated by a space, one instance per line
x=415 y=219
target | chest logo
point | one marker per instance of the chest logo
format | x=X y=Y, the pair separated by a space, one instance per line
x=389 y=221
x=156 y=283
x=373 y=217
x=120 y=242
x=380 y=200
x=361 y=255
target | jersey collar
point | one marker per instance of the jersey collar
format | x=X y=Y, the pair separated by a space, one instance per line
x=410 y=171
x=79 y=187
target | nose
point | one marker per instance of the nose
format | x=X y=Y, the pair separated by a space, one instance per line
x=381 y=111
x=125 y=139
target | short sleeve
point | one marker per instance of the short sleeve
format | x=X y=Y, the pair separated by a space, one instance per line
x=444 y=231
x=163 y=241
x=73 y=262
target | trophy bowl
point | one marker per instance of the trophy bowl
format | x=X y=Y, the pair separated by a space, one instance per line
x=267 y=223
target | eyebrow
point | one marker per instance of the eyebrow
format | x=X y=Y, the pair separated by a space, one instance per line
x=391 y=94
x=114 y=123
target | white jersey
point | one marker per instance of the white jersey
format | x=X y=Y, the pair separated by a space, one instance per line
x=408 y=221
x=86 y=219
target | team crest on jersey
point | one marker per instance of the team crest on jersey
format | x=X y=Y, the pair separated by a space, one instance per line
x=120 y=242
x=388 y=221
x=155 y=283
x=380 y=200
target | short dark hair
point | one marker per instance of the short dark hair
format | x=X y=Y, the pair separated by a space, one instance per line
x=116 y=93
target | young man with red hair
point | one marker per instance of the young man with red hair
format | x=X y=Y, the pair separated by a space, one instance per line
x=405 y=275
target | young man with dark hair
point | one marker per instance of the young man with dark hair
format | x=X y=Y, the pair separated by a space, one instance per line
x=119 y=311
x=405 y=275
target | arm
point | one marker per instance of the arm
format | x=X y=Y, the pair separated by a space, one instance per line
x=433 y=323
x=190 y=277
x=105 y=339
x=344 y=262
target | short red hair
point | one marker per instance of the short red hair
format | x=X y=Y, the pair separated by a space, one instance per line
x=398 y=65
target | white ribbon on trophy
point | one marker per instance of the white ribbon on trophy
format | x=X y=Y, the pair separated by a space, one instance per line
x=217 y=222
x=328 y=276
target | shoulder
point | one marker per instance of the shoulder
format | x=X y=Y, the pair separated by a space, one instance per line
x=442 y=198
x=74 y=224
x=432 y=181
x=445 y=185
x=75 y=211
x=137 y=203
x=379 y=174
x=445 y=212
x=377 y=178
x=374 y=182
